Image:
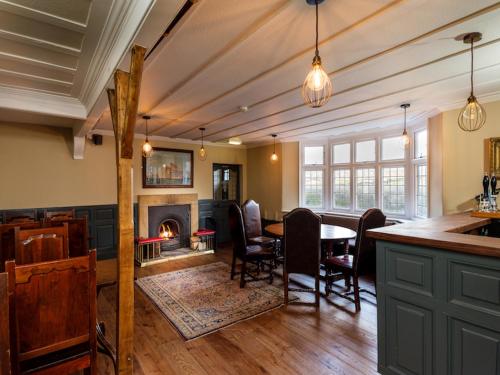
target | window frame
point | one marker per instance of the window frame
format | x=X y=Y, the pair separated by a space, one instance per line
x=409 y=162
x=415 y=162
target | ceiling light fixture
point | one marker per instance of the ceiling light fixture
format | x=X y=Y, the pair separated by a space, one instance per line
x=274 y=156
x=147 y=149
x=202 y=153
x=473 y=116
x=235 y=141
x=317 y=87
x=405 y=137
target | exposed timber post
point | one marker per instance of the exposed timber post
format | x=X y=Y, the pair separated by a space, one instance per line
x=123 y=102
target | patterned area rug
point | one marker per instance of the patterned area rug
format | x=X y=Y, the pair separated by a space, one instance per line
x=201 y=300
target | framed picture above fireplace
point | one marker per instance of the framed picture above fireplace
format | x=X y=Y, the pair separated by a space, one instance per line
x=168 y=168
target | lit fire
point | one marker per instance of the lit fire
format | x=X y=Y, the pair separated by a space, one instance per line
x=166 y=233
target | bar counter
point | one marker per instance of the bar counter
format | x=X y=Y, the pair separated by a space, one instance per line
x=452 y=232
x=438 y=297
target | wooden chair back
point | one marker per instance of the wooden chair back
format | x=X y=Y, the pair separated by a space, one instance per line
x=19 y=216
x=7 y=240
x=4 y=326
x=59 y=215
x=78 y=235
x=302 y=242
x=41 y=245
x=53 y=315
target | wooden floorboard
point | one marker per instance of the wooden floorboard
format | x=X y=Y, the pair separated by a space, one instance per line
x=293 y=339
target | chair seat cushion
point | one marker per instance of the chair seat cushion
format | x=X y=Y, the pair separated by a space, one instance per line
x=257 y=251
x=341 y=261
x=261 y=240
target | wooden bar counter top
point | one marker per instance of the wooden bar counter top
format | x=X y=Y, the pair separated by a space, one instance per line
x=449 y=232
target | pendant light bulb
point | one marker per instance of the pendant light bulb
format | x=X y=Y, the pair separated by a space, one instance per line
x=274 y=156
x=317 y=87
x=473 y=116
x=202 y=153
x=147 y=149
x=405 y=138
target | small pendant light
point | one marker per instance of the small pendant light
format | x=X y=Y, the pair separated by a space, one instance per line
x=202 y=153
x=274 y=156
x=473 y=116
x=317 y=87
x=147 y=149
x=405 y=138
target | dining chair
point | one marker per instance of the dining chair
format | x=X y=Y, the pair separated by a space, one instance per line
x=7 y=240
x=52 y=308
x=78 y=234
x=59 y=215
x=41 y=244
x=253 y=224
x=302 y=245
x=347 y=265
x=4 y=326
x=259 y=255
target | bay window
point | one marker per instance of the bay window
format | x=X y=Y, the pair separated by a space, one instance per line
x=363 y=173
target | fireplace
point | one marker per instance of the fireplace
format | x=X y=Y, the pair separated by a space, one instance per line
x=171 y=222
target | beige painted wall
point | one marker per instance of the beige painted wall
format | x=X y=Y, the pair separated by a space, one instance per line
x=290 y=195
x=265 y=180
x=463 y=158
x=37 y=169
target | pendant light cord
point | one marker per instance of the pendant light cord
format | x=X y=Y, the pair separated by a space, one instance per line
x=405 y=119
x=147 y=130
x=317 y=29
x=472 y=67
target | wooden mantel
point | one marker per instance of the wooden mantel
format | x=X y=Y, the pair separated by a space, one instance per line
x=123 y=102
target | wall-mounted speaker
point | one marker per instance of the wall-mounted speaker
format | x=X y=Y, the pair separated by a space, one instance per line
x=97 y=139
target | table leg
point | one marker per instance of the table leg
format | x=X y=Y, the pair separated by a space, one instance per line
x=346 y=247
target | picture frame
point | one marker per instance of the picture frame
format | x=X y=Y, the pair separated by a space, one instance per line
x=168 y=168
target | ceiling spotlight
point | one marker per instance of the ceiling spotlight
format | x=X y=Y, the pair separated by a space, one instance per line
x=234 y=141
x=243 y=108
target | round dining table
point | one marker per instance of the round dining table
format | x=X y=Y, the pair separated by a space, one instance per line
x=331 y=234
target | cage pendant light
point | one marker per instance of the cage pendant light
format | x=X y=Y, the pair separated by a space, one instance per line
x=147 y=149
x=274 y=156
x=317 y=87
x=202 y=153
x=473 y=116
x=405 y=138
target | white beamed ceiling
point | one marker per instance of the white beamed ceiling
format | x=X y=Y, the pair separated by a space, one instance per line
x=56 y=57
x=380 y=53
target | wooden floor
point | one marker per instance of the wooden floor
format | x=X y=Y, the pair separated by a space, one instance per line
x=290 y=340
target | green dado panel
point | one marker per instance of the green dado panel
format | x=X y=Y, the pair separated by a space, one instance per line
x=438 y=311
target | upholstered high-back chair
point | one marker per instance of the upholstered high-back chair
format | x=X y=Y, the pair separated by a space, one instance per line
x=256 y=254
x=302 y=243
x=349 y=265
x=253 y=224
